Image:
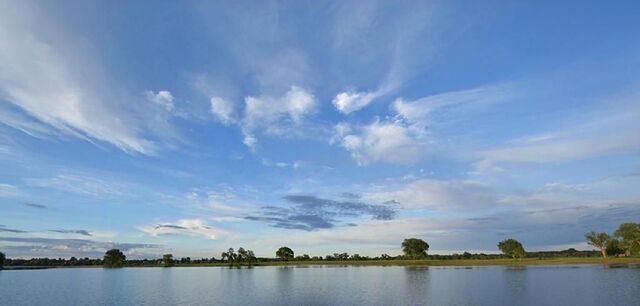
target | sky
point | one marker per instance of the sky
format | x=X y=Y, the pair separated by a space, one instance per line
x=188 y=127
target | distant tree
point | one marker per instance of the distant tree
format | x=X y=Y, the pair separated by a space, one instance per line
x=512 y=247
x=2 y=259
x=598 y=240
x=251 y=257
x=114 y=258
x=341 y=256
x=415 y=248
x=629 y=235
x=167 y=260
x=243 y=255
x=284 y=253
x=230 y=256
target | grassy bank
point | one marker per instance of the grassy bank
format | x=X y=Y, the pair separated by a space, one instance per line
x=424 y=263
x=450 y=262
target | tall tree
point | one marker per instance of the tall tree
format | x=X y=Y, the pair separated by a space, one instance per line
x=598 y=240
x=167 y=260
x=230 y=256
x=512 y=247
x=2 y=259
x=629 y=235
x=285 y=253
x=243 y=255
x=251 y=257
x=415 y=248
x=114 y=258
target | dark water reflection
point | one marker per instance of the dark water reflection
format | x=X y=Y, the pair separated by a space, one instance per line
x=326 y=285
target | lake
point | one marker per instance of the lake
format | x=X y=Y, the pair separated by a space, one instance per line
x=325 y=285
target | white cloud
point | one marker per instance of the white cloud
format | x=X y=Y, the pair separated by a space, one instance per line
x=611 y=130
x=404 y=138
x=438 y=195
x=250 y=141
x=9 y=191
x=50 y=81
x=389 y=142
x=223 y=110
x=418 y=111
x=163 y=98
x=80 y=184
x=282 y=116
x=191 y=227
x=278 y=116
x=280 y=164
x=348 y=102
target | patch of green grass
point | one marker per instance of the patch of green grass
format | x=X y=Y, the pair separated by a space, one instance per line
x=448 y=262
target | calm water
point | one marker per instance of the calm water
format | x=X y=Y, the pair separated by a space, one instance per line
x=328 y=285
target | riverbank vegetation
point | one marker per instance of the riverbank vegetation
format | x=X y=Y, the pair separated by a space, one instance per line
x=625 y=241
x=623 y=246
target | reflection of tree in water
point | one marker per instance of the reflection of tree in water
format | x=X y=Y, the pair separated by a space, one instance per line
x=514 y=280
x=417 y=283
x=285 y=285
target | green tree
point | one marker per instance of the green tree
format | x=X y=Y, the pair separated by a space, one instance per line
x=415 y=248
x=598 y=240
x=629 y=235
x=284 y=253
x=167 y=260
x=614 y=248
x=2 y=259
x=250 y=257
x=243 y=255
x=114 y=258
x=230 y=256
x=512 y=247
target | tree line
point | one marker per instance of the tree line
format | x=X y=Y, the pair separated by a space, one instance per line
x=624 y=241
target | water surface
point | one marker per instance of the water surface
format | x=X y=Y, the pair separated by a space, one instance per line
x=325 y=285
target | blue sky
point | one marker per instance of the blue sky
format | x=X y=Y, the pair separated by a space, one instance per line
x=190 y=127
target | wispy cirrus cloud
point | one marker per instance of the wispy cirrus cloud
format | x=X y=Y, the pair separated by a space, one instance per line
x=189 y=227
x=404 y=137
x=609 y=130
x=9 y=191
x=391 y=48
x=51 y=85
x=80 y=184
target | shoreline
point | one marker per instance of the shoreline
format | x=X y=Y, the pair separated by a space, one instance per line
x=408 y=263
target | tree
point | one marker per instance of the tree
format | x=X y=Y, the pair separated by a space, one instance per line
x=598 y=240
x=613 y=248
x=284 y=253
x=167 y=260
x=2 y=259
x=512 y=247
x=629 y=235
x=230 y=256
x=114 y=258
x=251 y=257
x=415 y=248
x=243 y=255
